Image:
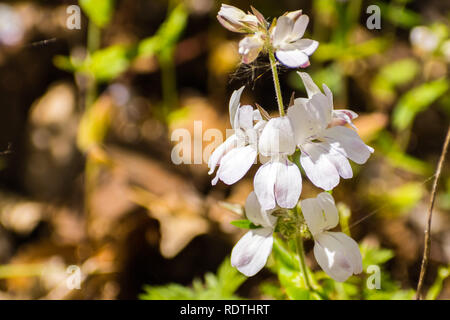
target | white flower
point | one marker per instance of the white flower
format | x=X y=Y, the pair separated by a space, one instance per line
x=278 y=181
x=336 y=253
x=250 y=47
x=290 y=48
x=424 y=39
x=324 y=142
x=250 y=254
x=237 y=154
x=236 y=20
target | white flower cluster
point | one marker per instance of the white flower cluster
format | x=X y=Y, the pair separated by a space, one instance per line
x=311 y=127
x=285 y=35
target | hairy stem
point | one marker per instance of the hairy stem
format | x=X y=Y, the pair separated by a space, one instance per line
x=302 y=263
x=426 y=249
x=276 y=82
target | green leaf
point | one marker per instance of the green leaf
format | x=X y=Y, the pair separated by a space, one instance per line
x=417 y=100
x=107 y=64
x=65 y=63
x=397 y=158
x=229 y=278
x=283 y=256
x=296 y=293
x=442 y=274
x=400 y=71
x=94 y=125
x=99 y=11
x=272 y=290
x=399 y=15
x=215 y=287
x=244 y=224
x=398 y=200
x=334 y=51
x=167 y=34
x=168 y=292
x=391 y=75
x=375 y=255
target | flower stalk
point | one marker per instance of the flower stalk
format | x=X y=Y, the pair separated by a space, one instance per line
x=302 y=262
x=276 y=82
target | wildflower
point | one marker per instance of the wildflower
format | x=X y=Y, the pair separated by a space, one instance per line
x=325 y=143
x=238 y=152
x=278 y=181
x=250 y=47
x=336 y=253
x=424 y=39
x=284 y=38
x=236 y=20
x=250 y=254
x=290 y=48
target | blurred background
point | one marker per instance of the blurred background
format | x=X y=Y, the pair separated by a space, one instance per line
x=91 y=204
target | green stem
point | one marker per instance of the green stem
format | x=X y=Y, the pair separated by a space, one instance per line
x=276 y=82
x=168 y=81
x=93 y=37
x=302 y=263
x=93 y=44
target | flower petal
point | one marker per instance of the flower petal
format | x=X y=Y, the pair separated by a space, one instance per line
x=351 y=249
x=288 y=185
x=220 y=151
x=292 y=58
x=249 y=48
x=339 y=161
x=321 y=109
x=330 y=212
x=310 y=86
x=300 y=27
x=277 y=138
x=282 y=30
x=342 y=117
x=329 y=95
x=235 y=164
x=308 y=46
x=232 y=18
x=348 y=142
x=250 y=254
x=234 y=104
x=320 y=213
x=302 y=120
x=332 y=257
x=244 y=117
x=256 y=214
x=319 y=169
x=264 y=184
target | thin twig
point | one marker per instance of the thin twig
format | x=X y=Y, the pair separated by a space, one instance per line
x=426 y=249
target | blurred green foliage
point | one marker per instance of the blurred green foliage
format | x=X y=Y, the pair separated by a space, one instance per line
x=335 y=25
x=214 y=287
x=393 y=75
x=167 y=34
x=417 y=100
x=98 y=11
